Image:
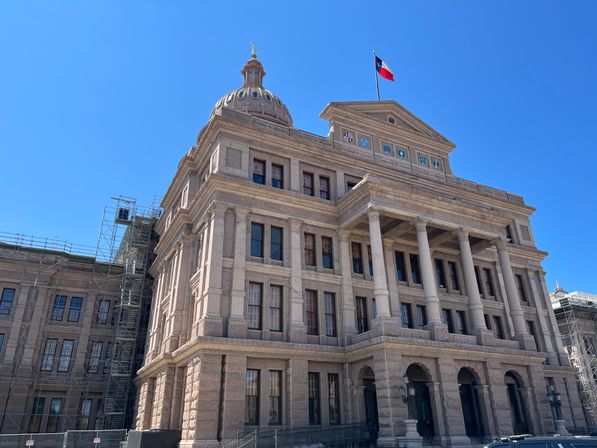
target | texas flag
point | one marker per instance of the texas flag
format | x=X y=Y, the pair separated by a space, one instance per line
x=383 y=69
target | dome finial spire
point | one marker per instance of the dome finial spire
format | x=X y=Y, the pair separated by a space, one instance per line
x=253 y=51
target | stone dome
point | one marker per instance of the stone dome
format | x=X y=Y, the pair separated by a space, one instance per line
x=253 y=98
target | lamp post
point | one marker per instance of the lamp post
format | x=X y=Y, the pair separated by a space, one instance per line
x=407 y=393
x=555 y=401
x=411 y=438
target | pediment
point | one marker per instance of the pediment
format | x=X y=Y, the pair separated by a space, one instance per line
x=385 y=112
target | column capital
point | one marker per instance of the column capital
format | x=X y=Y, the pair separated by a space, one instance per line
x=463 y=233
x=343 y=234
x=388 y=243
x=421 y=224
x=499 y=243
x=373 y=214
x=217 y=209
x=241 y=211
x=295 y=224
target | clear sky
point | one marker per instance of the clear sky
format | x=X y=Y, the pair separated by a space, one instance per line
x=101 y=98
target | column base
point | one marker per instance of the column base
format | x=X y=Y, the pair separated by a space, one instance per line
x=411 y=438
x=527 y=342
x=561 y=428
x=237 y=327
x=385 y=326
x=438 y=330
x=485 y=337
x=298 y=333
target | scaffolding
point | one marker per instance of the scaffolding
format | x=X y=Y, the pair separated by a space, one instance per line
x=127 y=238
x=577 y=322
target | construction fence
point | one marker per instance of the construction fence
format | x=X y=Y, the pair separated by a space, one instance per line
x=109 y=438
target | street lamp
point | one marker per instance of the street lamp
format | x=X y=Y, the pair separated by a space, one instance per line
x=407 y=393
x=555 y=401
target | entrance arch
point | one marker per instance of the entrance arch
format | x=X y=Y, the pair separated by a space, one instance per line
x=469 y=401
x=419 y=377
x=516 y=400
x=367 y=379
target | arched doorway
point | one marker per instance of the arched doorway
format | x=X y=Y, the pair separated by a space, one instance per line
x=469 y=401
x=419 y=378
x=517 y=405
x=370 y=399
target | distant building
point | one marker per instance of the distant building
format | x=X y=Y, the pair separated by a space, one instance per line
x=576 y=313
x=300 y=278
x=72 y=328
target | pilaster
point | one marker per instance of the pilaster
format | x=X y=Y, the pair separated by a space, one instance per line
x=348 y=307
x=298 y=330
x=237 y=324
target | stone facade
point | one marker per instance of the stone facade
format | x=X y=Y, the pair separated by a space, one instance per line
x=56 y=327
x=340 y=265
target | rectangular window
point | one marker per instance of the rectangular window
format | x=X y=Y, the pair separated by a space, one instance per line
x=520 y=286
x=275 y=397
x=254 y=306
x=256 y=240
x=54 y=415
x=509 y=233
x=47 y=360
x=461 y=322
x=85 y=414
x=277 y=243
x=357 y=258
x=314 y=399
x=400 y=266
x=74 y=311
x=252 y=397
x=1 y=341
x=487 y=321
x=259 y=171
x=330 y=313
x=478 y=278
x=370 y=260
x=324 y=187
x=362 y=320
x=58 y=308
x=103 y=310
x=277 y=176
x=421 y=317
x=311 y=310
x=327 y=252
x=531 y=327
x=452 y=268
x=66 y=354
x=108 y=357
x=334 y=398
x=414 y=268
x=308 y=184
x=37 y=412
x=8 y=295
x=498 y=327
x=94 y=357
x=309 y=249
x=441 y=274
x=275 y=308
x=405 y=312
x=447 y=319
x=373 y=309
x=488 y=282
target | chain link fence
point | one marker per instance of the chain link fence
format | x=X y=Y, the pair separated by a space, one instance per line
x=71 y=439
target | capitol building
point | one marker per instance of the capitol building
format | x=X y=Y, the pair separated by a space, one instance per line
x=311 y=281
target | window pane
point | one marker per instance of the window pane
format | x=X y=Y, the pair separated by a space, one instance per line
x=252 y=397
x=58 y=308
x=275 y=308
x=275 y=397
x=334 y=398
x=309 y=249
x=8 y=295
x=256 y=240
x=314 y=399
x=441 y=275
x=308 y=184
x=421 y=317
x=324 y=187
x=54 y=415
x=65 y=355
x=400 y=267
x=327 y=254
x=414 y=268
x=1 y=341
x=357 y=258
x=102 y=311
x=75 y=309
x=277 y=236
x=447 y=319
x=370 y=260
x=36 y=414
x=330 y=314
x=362 y=319
x=259 y=171
x=254 y=306
x=277 y=176
x=85 y=413
x=461 y=322
x=47 y=360
x=406 y=315
x=311 y=311
x=454 y=275
x=488 y=282
x=95 y=356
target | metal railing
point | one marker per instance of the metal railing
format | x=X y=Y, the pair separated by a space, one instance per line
x=70 y=439
x=340 y=436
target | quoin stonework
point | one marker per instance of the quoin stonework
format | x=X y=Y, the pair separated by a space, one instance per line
x=301 y=280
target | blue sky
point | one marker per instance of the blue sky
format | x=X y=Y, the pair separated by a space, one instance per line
x=100 y=98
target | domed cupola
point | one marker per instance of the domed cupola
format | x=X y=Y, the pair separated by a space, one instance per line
x=253 y=98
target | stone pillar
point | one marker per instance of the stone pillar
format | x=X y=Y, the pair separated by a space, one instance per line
x=298 y=330
x=154 y=317
x=387 y=368
x=183 y=296
x=486 y=411
x=348 y=307
x=237 y=324
x=212 y=319
x=520 y=326
x=234 y=396
x=498 y=399
x=40 y=312
x=83 y=346
x=546 y=331
x=475 y=305
x=439 y=330
x=455 y=433
x=340 y=184
x=384 y=319
x=295 y=175
x=392 y=282
x=298 y=392
x=12 y=342
x=145 y=403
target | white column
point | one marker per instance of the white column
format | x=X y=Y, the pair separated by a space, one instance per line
x=520 y=327
x=379 y=269
x=429 y=288
x=237 y=323
x=392 y=281
x=297 y=322
x=348 y=316
x=475 y=305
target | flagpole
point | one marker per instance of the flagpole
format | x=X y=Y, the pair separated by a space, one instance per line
x=376 y=76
